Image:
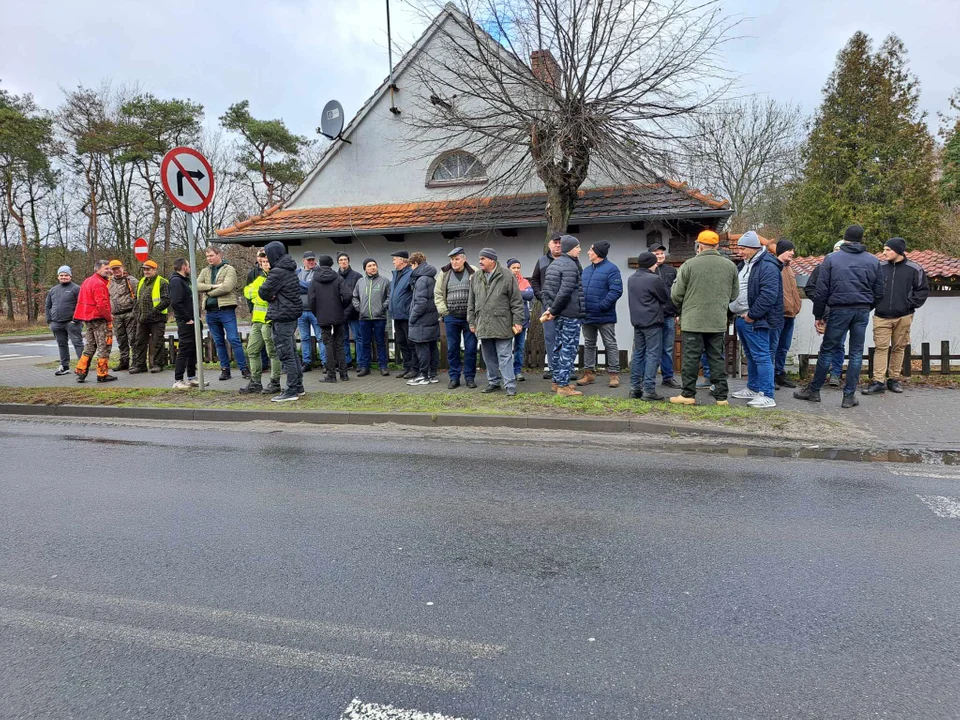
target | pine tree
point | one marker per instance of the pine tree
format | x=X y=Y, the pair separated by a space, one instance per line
x=950 y=157
x=869 y=158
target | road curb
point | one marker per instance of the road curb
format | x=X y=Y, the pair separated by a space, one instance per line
x=341 y=417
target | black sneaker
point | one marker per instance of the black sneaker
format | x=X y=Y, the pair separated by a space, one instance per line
x=636 y=394
x=251 y=388
x=411 y=374
x=547 y=374
x=894 y=386
x=301 y=391
x=306 y=367
x=363 y=372
x=384 y=372
x=344 y=376
x=652 y=397
x=453 y=385
x=287 y=395
x=874 y=388
x=225 y=374
x=106 y=378
x=784 y=381
x=849 y=401
x=671 y=382
x=807 y=394
x=81 y=378
x=471 y=383
x=328 y=379
x=62 y=370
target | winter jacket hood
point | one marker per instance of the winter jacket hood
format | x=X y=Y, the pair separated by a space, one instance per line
x=905 y=288
x=281 y=288
x=61 y=302
x=602 y=288
x=424 y=317
x=849 y=277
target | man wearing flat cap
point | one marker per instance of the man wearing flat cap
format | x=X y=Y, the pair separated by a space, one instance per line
x=451 y=295
x=705 y=286
x=495 y=316
x=123 y=298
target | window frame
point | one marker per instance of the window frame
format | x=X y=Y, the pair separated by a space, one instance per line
x=455 y=182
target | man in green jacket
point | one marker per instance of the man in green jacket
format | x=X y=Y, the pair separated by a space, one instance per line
x=495 y=315
x=705 y=286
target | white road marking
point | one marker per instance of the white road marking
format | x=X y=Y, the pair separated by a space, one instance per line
x=4 y=358
x=279 y=655
x=34 y=344
x=942 y=506
x=403 y=640
x=371 y=711
x=953 y=475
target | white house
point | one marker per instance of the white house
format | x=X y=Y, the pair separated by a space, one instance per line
x=393 y=187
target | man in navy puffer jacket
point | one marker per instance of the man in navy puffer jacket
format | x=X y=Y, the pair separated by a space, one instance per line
x=602 y=287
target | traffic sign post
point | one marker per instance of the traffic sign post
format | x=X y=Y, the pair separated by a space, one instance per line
x=187 y=179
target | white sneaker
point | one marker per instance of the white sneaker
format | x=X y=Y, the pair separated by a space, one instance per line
x=762 y=401
x=418 y=380
x=181 y=385
x=746 y=394
x=193 y=382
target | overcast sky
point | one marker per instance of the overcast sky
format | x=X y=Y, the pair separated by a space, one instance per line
x=288 y=57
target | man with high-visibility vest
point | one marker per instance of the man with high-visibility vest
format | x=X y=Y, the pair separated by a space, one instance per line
x=152 y=304
x=260 y=335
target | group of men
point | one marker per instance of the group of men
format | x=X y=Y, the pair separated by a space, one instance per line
x=486 y=309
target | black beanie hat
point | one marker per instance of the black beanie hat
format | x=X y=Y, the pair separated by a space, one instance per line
x=342 y=254
x=646 y=260
x=367 y=262
x=601 y=248
x=325 y=261
x=783 y=245
x=897 y=244
x=854 y=233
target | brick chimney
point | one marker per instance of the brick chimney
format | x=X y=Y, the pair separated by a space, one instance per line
x=545 y=67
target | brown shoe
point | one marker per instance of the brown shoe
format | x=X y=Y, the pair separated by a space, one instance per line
x=554 y=387
x=614 y=380
x=568 y=391
x=587 y=378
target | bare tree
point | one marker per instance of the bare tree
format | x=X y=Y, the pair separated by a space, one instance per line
x=746 y=151
x=606 y=88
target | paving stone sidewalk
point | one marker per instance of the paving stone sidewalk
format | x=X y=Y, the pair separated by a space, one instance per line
x=919 y=418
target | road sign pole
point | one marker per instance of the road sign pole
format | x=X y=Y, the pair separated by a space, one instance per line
x=197 y=332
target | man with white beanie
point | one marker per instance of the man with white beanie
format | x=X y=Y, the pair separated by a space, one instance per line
x=60 y=305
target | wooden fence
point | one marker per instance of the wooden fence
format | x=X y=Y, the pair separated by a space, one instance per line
x=926 y=359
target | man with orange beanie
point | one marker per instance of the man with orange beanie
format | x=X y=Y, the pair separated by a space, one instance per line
x=93 y=308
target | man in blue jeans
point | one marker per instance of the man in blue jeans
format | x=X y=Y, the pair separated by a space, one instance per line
x=851 y=284
x=451 y=295
x=759 y=317
x=217 y=284
x=668 y=274
x=307 y=319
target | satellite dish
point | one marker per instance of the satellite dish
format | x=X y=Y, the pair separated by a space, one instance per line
x=331 y=121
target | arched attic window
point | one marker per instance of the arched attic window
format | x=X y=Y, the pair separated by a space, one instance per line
x=457 y=167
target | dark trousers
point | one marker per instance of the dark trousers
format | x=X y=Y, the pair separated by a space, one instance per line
x=647 y=349
x=784 y=340
x=66 y=334
x=694 y=345
x=149 y=342
x=332 y=336
x=186 y=351
x=841 y=321
x=372 y=331
x=457 y=328
x=428 y=358
x=287 y=352
x=125 y=331
x=401 y=338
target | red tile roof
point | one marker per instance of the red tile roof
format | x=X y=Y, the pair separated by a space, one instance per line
x=935 y=264
x=669 y=199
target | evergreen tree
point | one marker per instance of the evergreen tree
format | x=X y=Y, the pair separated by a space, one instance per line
x=950 y=157
x=869 y=158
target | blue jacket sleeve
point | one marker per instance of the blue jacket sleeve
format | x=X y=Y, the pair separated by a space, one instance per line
x=823 y=290
x=877 y=285
x=614 y=290
x=769 y=290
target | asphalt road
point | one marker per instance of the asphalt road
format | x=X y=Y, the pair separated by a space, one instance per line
x=203 y=572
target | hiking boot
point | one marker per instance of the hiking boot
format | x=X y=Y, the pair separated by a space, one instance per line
x=833 y=382
x=135 y=370
x=106 y=378
x=554 y=387
x=122 y=365
x=344 y=376
x=363 y=372
x=547 y=374
x=874 y=388
x=894 y=386
x=671 y=382
x=62 y=370
x=272 y=388
x=805 y=393
x=491 y=389
x=251 y=388
x=849 y=401
x=762 y=401
x=245 y=373
x=587 y=377
x=723 y=403
x=652 y=397
x=156 y=369
x=225 y=374
x=568 y=391
x=784 y=382
x=471 y=383
x=636 y=393
x=287 y=395
x=453 y=385
x=614 y=380
x=683 y=400
x=81 y=377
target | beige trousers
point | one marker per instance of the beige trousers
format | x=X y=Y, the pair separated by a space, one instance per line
x=887 y=332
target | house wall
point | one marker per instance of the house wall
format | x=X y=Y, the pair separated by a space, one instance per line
x=526 y=247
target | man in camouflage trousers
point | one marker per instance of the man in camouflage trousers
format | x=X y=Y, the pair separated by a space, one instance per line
x=123 y=297
x=93 y=309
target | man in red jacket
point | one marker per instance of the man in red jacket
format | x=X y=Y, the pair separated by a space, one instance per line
x=93 y=308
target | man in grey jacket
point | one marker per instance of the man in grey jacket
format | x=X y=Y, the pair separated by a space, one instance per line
x=60 y=306
x=495 y=316
x=371 y=299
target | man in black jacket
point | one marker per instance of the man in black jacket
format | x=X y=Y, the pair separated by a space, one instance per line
x=328 y=298
x=282 y=290
x=563 y=301
x=181 y=302
x=350 y=278
x=648 y=297
x=905 y=289
x=668 y=274
x=536 y=282
x=851 y=284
